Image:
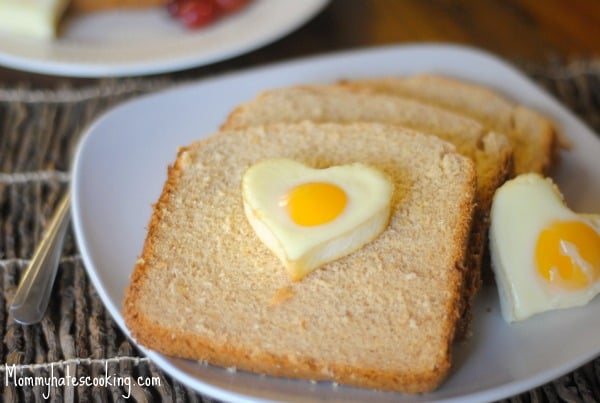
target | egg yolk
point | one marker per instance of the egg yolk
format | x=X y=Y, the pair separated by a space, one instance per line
x=568 y=254
x=314 y=203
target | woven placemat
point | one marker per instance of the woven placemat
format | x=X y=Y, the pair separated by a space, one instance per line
x=78 y=348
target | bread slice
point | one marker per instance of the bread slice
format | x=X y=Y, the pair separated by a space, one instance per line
x=533 y=136
x=490 y=151
x=383 y=317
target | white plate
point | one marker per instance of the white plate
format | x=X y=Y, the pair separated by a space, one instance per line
x=136 y=42
x=121 y=165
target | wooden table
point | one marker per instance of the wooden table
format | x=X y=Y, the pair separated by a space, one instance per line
x=521 y=30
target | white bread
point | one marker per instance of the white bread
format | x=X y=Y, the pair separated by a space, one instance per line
x=490 y=151
x=382 y=317
x=535 y=141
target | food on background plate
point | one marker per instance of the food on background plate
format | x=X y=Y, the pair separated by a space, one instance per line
x=199 y=13
x=384 y=316
x=88 y=6
x=308 y=216
x=32 y=18
x=42 y=18
x=544 y=255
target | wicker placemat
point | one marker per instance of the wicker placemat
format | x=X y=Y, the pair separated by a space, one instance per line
x=78 y=348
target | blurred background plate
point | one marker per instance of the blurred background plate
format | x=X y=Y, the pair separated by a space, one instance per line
x=139 y=42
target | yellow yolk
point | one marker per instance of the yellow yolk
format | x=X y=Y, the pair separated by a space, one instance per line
x=314 y=203
x=568 y=254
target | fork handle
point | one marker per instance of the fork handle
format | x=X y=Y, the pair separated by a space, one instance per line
x=31 y=299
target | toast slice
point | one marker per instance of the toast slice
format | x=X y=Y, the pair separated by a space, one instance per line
x=383 y=317
x=535 y=141
x=490 y=151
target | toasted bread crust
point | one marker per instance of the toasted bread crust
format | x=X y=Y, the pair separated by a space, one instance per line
x=152 y=331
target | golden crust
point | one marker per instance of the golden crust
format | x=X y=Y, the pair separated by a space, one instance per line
x=179 y=344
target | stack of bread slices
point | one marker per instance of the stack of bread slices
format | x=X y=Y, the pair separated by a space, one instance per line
x=385 y=316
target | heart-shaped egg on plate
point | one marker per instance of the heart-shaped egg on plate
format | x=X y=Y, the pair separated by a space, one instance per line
x=544 y=255
x=309 y=216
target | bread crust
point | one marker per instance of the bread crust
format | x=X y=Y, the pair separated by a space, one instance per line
x=179 y=344
x=154 y=334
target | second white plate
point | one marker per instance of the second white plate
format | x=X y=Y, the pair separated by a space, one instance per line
x=137 y=42
x=121 y=166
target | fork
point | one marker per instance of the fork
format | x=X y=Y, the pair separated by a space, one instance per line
x=33 y=294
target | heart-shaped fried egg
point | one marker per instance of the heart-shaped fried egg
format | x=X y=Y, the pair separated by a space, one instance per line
x=308 y=216
x=544 y=255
